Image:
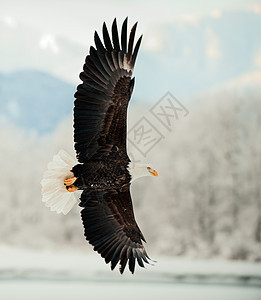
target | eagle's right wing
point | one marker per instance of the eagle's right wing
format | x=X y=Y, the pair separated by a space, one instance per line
x=102 y=99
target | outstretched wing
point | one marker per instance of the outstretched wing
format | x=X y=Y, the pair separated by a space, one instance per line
x=110 y=227
x=100 y=110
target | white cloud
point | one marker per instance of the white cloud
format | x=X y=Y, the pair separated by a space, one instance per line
x=213 y=50
x=48 y=42
x=257 y=8
x=246 y=80
x=9 y=21
x=187 y=50
x=153 y=43
x=13 y=108
x=216 y=14
x=192 y=18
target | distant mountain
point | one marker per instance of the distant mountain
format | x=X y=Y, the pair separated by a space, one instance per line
x=34 y=100
x=184 y=58
x=181 y=57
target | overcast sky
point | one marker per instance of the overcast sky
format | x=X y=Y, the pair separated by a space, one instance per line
x=77 y=19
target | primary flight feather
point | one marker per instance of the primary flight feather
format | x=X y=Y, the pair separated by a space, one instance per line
x=104 y=172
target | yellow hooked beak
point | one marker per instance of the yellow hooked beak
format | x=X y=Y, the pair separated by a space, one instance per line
x=153 y=172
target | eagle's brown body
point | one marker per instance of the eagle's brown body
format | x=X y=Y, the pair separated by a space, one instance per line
x=109 y=173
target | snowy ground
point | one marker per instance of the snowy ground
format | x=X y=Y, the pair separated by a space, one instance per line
x=44 y=275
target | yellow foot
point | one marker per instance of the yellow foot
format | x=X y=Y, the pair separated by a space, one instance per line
x=69 y=181
x=69 y=184
x=71 y=188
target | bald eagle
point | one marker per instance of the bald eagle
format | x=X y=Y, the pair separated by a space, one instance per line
x=102 y=176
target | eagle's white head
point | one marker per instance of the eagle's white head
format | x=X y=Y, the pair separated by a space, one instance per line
x=139 y=170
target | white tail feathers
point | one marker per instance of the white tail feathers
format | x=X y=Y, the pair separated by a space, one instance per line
x=54 y=192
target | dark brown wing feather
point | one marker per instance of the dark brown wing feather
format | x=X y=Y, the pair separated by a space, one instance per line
x=110 y=227
x=100 y=110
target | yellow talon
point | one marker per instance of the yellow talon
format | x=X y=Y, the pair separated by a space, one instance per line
x=71 y=188
x=69 y=184
x=69 y=181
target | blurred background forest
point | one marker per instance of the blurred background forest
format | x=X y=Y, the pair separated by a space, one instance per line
x=206 y=201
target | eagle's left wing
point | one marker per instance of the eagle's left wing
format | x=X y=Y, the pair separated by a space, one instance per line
x=110 y=226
